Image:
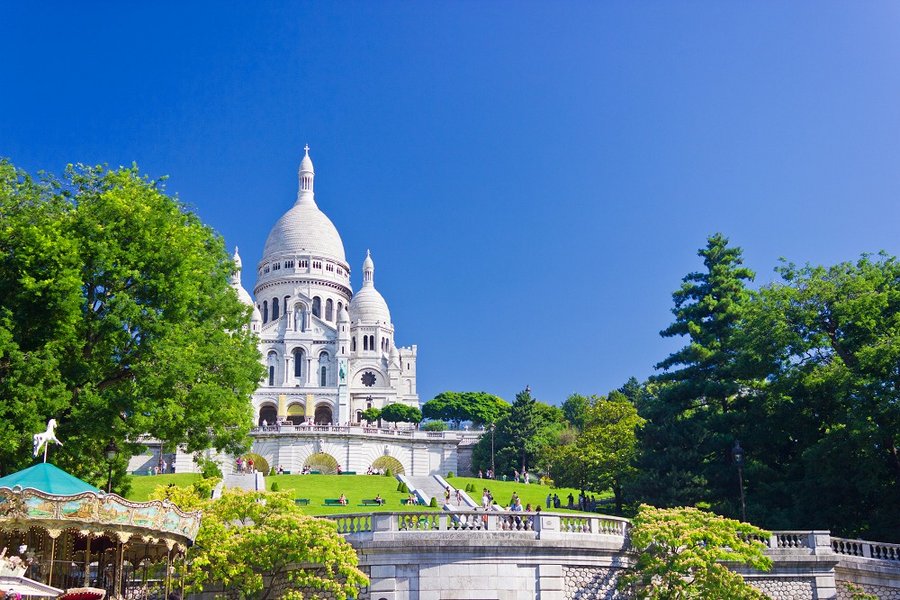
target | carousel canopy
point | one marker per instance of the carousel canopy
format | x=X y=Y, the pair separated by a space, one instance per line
x=47 y=478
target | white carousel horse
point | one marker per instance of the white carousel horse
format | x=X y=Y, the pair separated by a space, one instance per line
x=43 y=439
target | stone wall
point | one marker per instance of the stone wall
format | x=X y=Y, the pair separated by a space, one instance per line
x=787 y=588
x=591 y=583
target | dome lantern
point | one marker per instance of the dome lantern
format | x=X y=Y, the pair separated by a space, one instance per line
x=306 y=176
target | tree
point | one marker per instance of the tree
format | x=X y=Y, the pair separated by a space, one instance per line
x=602 y=456
x=830 y=339
x=522 y=436
x=116 y=319
x=371 y=414
x=394 y=413
x=695 y=415
x=260 y=545
x=679 y=554
x=480 y=408
x=575 y=407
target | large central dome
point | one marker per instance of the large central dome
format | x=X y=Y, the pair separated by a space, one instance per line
x=305 y=229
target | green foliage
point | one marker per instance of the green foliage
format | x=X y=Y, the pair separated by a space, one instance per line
x=575 y=407
x=858 y=593
x=395 y=413
x=602 y=456
x=435 y=426
x=116 y=319
x=388 y=473
x=694 y=407
x=449 y=474
x=322 y=462
x=480 y=408
x=389 y=463
x=401 y=487
x=679 y=554
x=208 y=467
x=522 y=436
x=274 y=486
x=371 y=414
x=433 y=503
x=244 y=541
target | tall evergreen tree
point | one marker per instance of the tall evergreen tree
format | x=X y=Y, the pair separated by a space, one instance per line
x=692 y=424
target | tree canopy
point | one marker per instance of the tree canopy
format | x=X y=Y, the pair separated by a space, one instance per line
x=247 y=538
x=395 y=413
x=480 y=408
x=679 y=554
x=116 y=319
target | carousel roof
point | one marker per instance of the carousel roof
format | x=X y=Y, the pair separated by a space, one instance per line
x=47 y=478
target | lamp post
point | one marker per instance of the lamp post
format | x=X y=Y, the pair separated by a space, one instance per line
x=493 y=472
x=111 y=451
x=737 y=453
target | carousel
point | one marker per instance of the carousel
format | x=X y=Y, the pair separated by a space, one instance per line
x=62 y=537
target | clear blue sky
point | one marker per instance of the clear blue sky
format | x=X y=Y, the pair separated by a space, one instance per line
x=533 y=179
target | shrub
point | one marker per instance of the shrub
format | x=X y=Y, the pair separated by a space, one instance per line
x=546 y=481
x=435 y=426
x=388 y=473
x=209 y=469
x=433 y=503
x=449 y=474
x=274 y=487
x=402 y=488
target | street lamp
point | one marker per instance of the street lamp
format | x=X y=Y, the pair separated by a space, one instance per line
x=493 y=472
x=737 y=453
x=111 y=451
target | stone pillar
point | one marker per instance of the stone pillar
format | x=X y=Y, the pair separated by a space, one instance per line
x=550 y=582
x=287 y=369
x=282 y=407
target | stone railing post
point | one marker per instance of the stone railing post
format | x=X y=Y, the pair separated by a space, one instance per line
x=546 y=524
x=384 y=522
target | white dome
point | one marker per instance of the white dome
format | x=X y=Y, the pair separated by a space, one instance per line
x=242 y=294
x=304 y=229
x=368 y=306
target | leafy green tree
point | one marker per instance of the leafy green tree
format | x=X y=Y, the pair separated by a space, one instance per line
x=521 y=437
x=371 y=414
x=480 y=408
x=116 y=319
x=435 y=426
x=575 y=407
x=695 y=415
x=830 y=339
x=395 y=413
x=602 y=456
x=260 y=545
x=679 y=554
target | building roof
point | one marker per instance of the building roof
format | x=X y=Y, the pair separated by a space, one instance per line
x=47 y=478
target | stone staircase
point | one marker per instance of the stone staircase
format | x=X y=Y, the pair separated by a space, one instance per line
x=245 y=481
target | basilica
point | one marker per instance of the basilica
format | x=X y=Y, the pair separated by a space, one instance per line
x=329 y=353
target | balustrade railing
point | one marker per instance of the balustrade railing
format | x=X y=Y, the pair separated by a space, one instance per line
x=866 y=549
x=288 y=428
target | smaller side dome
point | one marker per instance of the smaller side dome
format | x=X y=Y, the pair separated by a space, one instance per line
x=368 y=305
x=242 y=294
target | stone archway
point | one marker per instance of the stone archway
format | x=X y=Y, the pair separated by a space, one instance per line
x=296 y=413
x=323 y=415
x=267 y=413
x=323 y=462
x=383 y=463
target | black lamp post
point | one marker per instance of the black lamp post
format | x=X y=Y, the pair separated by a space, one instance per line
x=111 y=451
x=737 y=453
x=493 y=472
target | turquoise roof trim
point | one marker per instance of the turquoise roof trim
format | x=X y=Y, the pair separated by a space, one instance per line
x=47 y=478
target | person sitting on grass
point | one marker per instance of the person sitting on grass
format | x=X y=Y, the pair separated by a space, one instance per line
x=342 y=500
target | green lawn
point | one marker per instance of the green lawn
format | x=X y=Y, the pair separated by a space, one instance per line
x=141 y=486
x=533 y=493
x=356 y=487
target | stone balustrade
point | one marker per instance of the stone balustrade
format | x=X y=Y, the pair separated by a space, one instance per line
x=561 y=556
x=316 y=430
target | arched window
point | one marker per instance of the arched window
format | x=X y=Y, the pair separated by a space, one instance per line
x=353 y=344
x=329 y=310
x=323 y=369
x=317 y=307
x=265 y=311
x=274 y=309
x=298 y=363
x=340 y=307
x=371 y=342
x=271 y=360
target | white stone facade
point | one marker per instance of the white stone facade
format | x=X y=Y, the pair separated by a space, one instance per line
x=329 y=353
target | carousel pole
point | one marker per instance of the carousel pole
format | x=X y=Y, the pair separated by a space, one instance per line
x=168 y=571
x=119 y=564
x=52 y=558
x=87 y=562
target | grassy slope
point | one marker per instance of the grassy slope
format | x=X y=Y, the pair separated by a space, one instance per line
x=143 y=485
x=503 y=490
x=355 y=487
